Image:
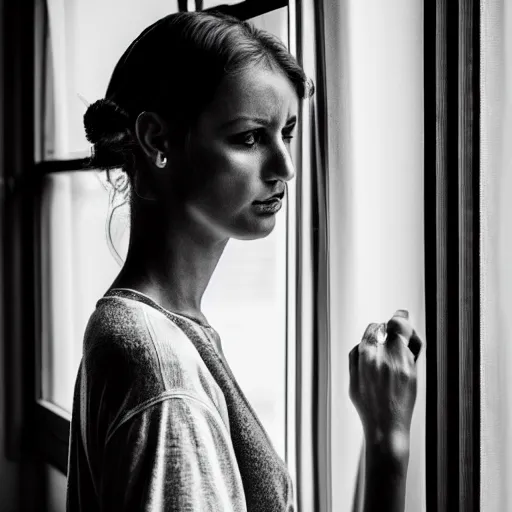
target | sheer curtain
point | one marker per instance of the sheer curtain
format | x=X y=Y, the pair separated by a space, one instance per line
x=496 y=255
x=374 y=98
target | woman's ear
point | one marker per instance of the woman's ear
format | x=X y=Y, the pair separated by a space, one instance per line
x=152 y=133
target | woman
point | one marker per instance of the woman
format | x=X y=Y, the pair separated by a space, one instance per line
x=198 y=113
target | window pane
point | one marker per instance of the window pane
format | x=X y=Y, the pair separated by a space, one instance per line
x=85 y=40
x=246 y=299
x=77 y=269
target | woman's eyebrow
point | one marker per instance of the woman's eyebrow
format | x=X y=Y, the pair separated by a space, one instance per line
x=260 y=120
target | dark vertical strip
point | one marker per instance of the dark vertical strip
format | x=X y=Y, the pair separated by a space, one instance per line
x=289 y=249
x=321 y=301
x=449 y=212
x=17 y=159
x=299 y=377
x=452 y=253
x=468 y=171
x=436 y=247
x=430 y=232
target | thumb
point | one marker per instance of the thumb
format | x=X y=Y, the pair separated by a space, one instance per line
x=402 y=313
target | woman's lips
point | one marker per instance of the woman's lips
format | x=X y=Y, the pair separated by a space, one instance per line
x=270 y=206
x=275 y=197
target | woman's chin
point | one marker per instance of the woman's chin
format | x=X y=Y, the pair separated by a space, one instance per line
x=256 y=230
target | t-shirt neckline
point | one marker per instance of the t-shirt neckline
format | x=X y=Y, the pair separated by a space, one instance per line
x=151 y=302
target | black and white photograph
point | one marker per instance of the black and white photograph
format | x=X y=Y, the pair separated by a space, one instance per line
x=256 y=256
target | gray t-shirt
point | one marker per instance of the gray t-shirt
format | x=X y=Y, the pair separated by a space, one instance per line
x=159 y=422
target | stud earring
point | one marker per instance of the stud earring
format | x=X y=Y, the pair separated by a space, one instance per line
x=161 y=160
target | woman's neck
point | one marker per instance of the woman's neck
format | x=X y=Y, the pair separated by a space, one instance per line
x=171 y=262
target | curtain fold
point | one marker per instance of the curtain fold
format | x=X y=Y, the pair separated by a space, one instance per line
x=496 y=255
x=374 y=131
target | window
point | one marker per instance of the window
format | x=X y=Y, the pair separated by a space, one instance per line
x=84 y=42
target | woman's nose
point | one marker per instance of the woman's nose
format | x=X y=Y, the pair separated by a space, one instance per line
x=279 y=165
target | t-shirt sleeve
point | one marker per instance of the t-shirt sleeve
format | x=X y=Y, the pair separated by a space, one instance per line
x=171 y=455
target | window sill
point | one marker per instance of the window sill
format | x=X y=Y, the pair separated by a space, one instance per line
x=52 y=431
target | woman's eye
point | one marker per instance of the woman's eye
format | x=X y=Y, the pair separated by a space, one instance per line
x=250 y=138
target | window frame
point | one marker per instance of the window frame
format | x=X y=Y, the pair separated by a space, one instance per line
x=452 y=273
x=17 y=300
x=17 y=187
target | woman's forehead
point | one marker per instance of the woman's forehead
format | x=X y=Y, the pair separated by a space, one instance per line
x=258 y=92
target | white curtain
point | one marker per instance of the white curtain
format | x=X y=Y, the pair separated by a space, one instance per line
x=496 y=255
x=374 y=60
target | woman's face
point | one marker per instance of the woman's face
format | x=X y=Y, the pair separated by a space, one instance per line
x=240 y=154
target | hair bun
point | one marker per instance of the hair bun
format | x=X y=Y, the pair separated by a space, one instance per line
x=107 y=127
x=105 y=121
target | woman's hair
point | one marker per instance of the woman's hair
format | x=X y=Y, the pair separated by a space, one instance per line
x=174 y=68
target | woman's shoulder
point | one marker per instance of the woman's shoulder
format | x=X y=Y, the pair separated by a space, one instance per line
x=145 y=351
x=136 y=330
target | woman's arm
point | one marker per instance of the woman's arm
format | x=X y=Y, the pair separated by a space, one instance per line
x=174 y=455
x=386 y=474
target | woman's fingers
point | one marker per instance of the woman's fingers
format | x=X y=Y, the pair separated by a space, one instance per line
x=400 y=330
x=370 y=335
x=383 y=378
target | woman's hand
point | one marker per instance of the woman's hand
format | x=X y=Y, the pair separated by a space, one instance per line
x=383 y=389
x=383 y=378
